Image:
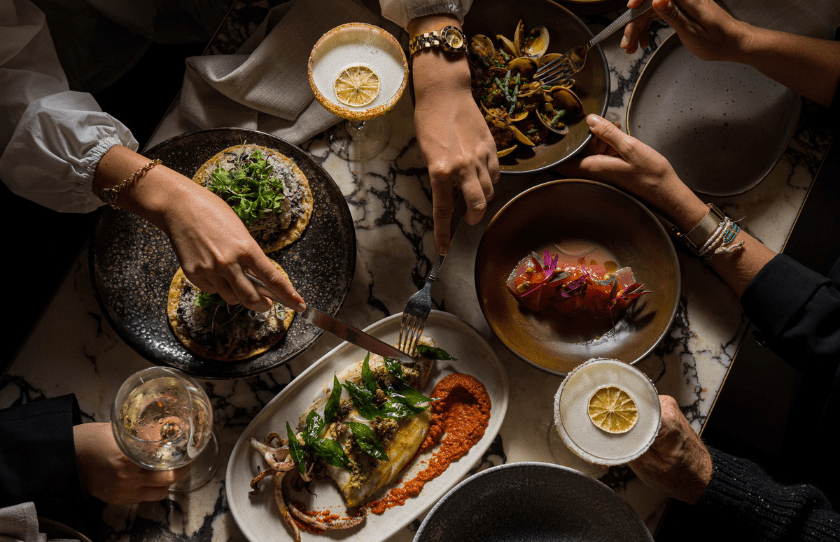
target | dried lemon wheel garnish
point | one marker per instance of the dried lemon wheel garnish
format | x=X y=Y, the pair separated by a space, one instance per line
x=613 y=410
x=357 y=86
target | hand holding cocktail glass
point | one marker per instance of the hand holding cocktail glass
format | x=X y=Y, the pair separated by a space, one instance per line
x=162 y=420
x=606 y=412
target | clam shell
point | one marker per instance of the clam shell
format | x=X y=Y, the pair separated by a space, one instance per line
x=507 y=46
x=535 y=44
x=519 y=37
x=524 y=65
x=564 y=98
x=505 y=152
x=482 y=46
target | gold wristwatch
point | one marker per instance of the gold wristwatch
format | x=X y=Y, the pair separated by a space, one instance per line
x=448 y=38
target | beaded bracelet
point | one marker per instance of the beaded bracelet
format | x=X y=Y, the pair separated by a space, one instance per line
x=109 y=195
x=712 y=235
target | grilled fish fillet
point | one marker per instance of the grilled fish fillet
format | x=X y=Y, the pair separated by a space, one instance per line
x=402 y=438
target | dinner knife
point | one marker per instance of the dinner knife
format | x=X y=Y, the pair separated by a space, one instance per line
x=342 y=330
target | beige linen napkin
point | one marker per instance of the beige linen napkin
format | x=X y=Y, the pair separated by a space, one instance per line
x=19 y=523
x=265 y=85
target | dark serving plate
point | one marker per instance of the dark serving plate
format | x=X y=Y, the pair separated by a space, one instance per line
x=132 y=262
x=566 y=30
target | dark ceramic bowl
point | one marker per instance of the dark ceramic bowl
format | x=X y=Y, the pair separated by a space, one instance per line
x=538 y=502
x=590 y=213
x=566 y=30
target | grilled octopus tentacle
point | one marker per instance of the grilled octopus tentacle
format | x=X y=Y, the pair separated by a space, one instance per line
x=335 y=525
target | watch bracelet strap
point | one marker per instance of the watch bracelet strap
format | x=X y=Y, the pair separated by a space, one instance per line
x=702 y=232
x=425 y=41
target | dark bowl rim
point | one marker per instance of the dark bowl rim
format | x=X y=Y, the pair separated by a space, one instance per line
x=527 y=465
x=659 y=227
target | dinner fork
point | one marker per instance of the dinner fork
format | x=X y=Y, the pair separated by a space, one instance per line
x=419 y=305
x=569 y=63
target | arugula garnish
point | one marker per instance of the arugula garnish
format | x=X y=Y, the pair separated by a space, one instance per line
x=249 y=188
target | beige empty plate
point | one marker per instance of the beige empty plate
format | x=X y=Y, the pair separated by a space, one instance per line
x=722 y=125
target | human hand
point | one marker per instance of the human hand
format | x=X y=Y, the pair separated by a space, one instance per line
x=211 y=242
x=110 y=476
x=635 y=167
x=215 y=249
x=454 y=140
x=705 y=28
x=677 y=463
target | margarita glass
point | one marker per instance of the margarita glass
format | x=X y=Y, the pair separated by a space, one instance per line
x=579 y=407
x=358 y=72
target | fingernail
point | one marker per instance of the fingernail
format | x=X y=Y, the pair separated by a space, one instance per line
x=624 y=42
x=592 y=120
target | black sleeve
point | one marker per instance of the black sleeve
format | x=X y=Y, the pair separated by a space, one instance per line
x=37 y=452
x=748 y=505
x=797 y=312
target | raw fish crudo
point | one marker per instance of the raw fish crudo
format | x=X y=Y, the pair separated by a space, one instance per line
x=575 y=283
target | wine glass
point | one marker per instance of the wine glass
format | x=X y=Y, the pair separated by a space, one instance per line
x=162 y=420
x=576 y=440
x=358 y=72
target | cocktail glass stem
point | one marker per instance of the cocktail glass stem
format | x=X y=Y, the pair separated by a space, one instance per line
x=359 y=140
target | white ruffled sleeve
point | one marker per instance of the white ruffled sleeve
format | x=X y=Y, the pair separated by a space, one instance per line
x=51 y=138
x=403 y=11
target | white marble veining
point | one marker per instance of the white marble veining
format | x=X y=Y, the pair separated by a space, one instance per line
x=74 y=350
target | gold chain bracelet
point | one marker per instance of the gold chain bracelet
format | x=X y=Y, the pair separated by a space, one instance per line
x=109 y=195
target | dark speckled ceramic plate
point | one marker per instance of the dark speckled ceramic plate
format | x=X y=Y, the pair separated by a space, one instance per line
x=722 y=125
x=132 y=262
x=537 y=502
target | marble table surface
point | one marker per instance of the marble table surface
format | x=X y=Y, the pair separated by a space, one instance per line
x=389 y=199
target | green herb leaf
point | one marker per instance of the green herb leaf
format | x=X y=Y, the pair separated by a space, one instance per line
x=333 y=402
x=296 y=450
x=208 y=301
x=434 y=353
x=367 y=441
x=367 y=375
x=403 y=393
x=397 y=410
x=249 y=188
x=314 y=427
x=394 y=368
x=331 y=453
x=363 y=400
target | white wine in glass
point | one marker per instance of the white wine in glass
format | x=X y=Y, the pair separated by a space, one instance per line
x=358 y=72
x=606 y=412
x=162 y=419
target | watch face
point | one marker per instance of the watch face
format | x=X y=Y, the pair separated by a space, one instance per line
x=454 y=39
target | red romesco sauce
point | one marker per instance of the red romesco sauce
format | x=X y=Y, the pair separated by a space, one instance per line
x=461 y=415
